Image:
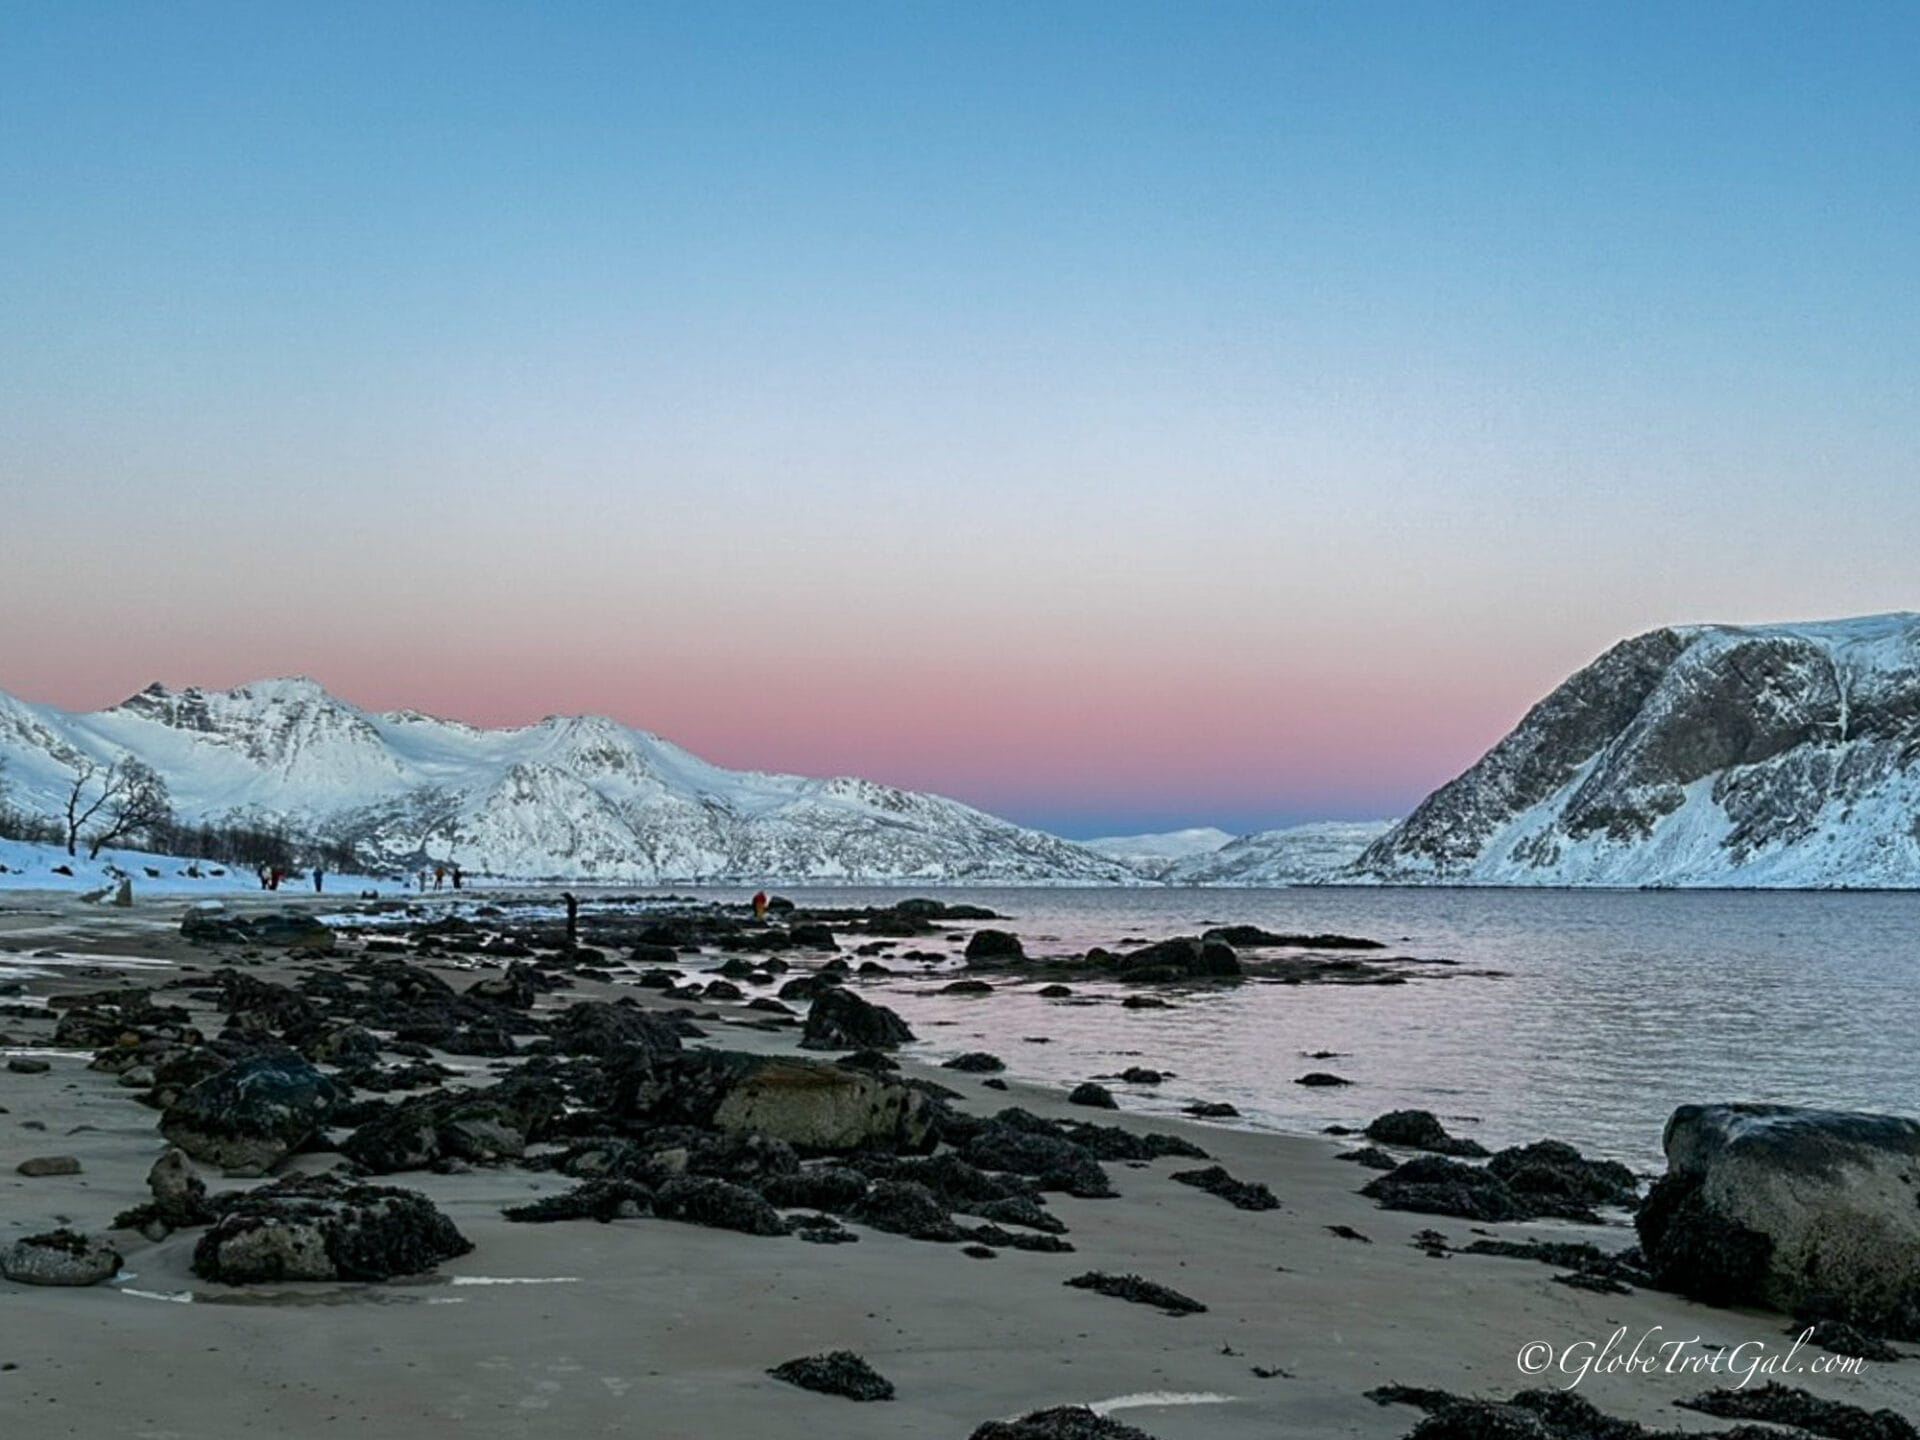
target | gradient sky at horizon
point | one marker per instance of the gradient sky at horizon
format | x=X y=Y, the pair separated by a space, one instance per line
x=1120 y=416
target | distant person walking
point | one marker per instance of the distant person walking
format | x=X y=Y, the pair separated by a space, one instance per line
x=573 y=919
x=319 y=879
x=456 y=877
x=760 y=907
x=439 y=877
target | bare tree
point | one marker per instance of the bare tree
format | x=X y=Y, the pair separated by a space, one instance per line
x=131 y=798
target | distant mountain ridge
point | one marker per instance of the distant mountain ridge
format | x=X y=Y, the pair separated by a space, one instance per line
x=571 y=798
x=1708 y=755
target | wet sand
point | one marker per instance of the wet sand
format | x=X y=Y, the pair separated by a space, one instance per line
x=648 y=1327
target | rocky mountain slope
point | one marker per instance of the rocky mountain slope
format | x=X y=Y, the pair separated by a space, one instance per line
x=1714 y=755
x=569 y=798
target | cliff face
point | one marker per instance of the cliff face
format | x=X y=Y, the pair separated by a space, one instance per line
x=1713 y=755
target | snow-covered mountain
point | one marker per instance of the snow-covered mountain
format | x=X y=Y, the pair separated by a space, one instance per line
x=1714 y=755
x=1297 y=855
x=1150 y=854
x=568 y=798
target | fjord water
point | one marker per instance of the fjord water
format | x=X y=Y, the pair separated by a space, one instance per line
x=1608 y=1008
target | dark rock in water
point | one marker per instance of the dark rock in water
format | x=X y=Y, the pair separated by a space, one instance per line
x=839 y=1372
x=477 y=1126
x=1422 y=1130
x=698 y=1200
x=967 y=987
x=1252 y=937
x=1434 y=1185
x=1141 y=1075
x=1054 y=992
x=975 y=1062
x=1784 y=1405
x=1181 y=958
x=40 y=1167
x=841 y=1020
x=1143 y=1002
x=1241 y=1194
x=1096 y=1096
x=1796 y=1209
x=1211 y=1110
x=1371 y=1156
x=601 y=1200
x=252 y=1115
x=1321 y=1078
x=322 y=1228
x=59 y=1257
x=993 y=1083
x=903 y=1207
x=1074 y=1422
x=1139 y=1291
x=995 y=945
x=1555 y=1169
x=28 y=1065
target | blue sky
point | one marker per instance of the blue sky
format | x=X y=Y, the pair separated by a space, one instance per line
x=1117 y=415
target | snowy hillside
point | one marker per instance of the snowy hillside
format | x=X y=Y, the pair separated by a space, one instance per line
x=569 y=798
x=1779 y=755
x=1150 y=854
x=1297 y=855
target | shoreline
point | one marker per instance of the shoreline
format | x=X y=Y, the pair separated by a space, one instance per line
x=596 y=1329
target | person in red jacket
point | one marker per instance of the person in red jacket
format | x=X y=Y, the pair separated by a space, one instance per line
x=760 y=906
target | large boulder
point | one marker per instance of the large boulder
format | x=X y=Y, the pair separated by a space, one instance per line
x=841 y=1020
x=1807 y=1211
x=252 y=1115
x=598 y=1028
x=322 y=1228
x=59 y=1257
x=817 y=1108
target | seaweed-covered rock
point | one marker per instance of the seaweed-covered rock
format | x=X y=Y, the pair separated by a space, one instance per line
x=975 y=1062
x=1785 y=1405
x=838 y=1372
x=1064 y=1422
x=601 y=1200
x=1241 y=1194
x=840 y=1020
x=820 y=1187
x=1554 y=1168
x=59 y=1257
x=1435 y=1185
x=597 y=1028
x=1422 y=1130
x=904 y=1207
x=1801 y=1210
x=250 y=1116
x=285 y=930
x=478 y=1126
x=1139 y=1291
x=324 y=1228
x=1025 y=1145
x=720 y=1204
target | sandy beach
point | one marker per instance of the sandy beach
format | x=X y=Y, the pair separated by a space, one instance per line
x=653 y=1327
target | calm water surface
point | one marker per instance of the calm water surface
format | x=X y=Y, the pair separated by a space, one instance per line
x=1610 y=1008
